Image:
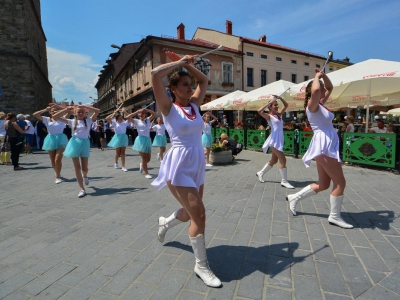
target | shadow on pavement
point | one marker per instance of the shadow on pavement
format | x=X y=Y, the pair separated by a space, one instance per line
x=367 y=219
x=111 y=191
x=237 y=262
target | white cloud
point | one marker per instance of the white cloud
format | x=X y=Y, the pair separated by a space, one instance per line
x=72 y=75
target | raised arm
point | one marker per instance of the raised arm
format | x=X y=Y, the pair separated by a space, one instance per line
x=316 y=97
x=285 y=104
x=59 y=115
x=38 y=114
x=95 y=110
x=152 y=114
x=262 y=113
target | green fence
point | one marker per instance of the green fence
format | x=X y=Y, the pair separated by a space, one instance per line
x=378 y=149
x=237 y=135
x=255 y=138
x=304 y=141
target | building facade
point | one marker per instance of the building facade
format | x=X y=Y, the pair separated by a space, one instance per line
x=25 y=87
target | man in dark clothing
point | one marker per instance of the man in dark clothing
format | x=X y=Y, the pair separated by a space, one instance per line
x=41 y=130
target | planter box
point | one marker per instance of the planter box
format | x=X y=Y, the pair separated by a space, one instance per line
x=221 y=158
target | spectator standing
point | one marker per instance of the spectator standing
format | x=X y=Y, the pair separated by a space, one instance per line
x=12 y=128
x=41 y=130
x=29 y=135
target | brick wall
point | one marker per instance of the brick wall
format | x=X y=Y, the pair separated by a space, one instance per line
x=23 y=57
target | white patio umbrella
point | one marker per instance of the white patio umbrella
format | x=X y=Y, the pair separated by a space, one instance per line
x=222 y=102
x=394 y=112
x=371 y=82
x=254 y=99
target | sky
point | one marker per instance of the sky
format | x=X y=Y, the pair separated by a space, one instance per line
x=79 y=32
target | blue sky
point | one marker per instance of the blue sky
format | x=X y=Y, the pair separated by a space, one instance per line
x=79 y=32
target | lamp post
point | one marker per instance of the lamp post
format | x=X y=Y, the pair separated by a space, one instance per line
x=203 y=66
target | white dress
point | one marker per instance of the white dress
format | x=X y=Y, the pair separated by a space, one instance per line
x=325 y=140
x=184 y=162
x=275 y=139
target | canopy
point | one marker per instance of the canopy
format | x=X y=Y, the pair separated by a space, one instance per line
x=254 y=99
x=371 y=82
x=395 y=112
x=222 y=102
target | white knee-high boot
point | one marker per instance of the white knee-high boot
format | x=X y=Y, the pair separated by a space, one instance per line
x=334 y=216
x=294 y=198
x=201 y=268
x=264 y=170
x=284 y=181
x=166 y=223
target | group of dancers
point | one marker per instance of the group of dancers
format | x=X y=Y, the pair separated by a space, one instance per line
x=182 y=167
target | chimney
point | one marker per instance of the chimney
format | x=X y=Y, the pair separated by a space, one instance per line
x=228 y=27
x=263 y=39
x=181 y=31
x=346 y=59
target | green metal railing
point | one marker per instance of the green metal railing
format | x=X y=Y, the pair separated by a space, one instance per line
x=378 y=149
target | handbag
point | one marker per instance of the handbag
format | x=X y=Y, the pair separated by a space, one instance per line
x=5 y=145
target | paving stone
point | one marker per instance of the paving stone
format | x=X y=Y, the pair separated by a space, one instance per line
x=54 y=291
x=14 y=283
x=277 y=294
x=140 y=290
x=306 y=288
x=252 y=281
x=86 y=288
x=378 y=292
x=331 y=278
x=392 y=282
x=170 y=287
x=184 y=295
x=372 y=260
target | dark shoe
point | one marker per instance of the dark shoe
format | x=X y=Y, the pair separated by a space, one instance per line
x=18 y=168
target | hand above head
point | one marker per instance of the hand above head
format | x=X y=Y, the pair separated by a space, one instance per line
x=319 y=73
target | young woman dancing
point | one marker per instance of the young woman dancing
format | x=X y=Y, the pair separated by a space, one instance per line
x=160 y=139
x=275 y=139
x=78 y=147
x=120 y=139
x=183 y=167
x=324 y=148
x=143 y=142
x=56 y=141
x=206 y=138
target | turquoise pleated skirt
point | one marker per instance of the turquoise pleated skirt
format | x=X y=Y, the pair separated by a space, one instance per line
x=77 y=147
x=206 y=140
x=142 y=144
x=54 y=142
x=119 y=141
x=160 y=141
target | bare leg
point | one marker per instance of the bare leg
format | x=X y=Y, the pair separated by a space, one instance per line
x=85 y=169
x=208 y=155
x=330 y=168
x=117 y=154
x=162 y=151
x=279 y=156
x=78 y=172
x=122 y=151
x=52 y=155
x=58 y=162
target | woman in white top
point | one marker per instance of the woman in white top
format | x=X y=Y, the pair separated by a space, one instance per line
x=143 y=142
x=120 y=138
x=56 y=141
x=275 y=139
x=78 y=147
x=206 y=138
x=183 y=167
x=160 y=139
x=324 y=148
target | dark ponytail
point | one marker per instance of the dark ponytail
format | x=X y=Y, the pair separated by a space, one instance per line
x=308 y=94
x=174 y=79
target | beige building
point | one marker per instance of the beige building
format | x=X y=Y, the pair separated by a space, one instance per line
x=24 y=83
x=265 y=62
x=131 y=83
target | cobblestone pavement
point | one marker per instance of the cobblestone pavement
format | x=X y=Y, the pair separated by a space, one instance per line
x=104 y=246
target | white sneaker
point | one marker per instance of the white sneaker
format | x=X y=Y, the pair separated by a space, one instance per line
x=140 y=168
x=124 y=169
x=81 y=194
x=58 y=180
x=209 y=165
x=116 y=166
x=86 y=180
x=148 y=176
x=158 y=156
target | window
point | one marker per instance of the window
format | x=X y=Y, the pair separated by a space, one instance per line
x=294 y=78
x=227 y=72
x=318 y=66
x=250 y=77
x=306 y=63
x=263 y=77
x=278 y=76
x=249 y=53
x=144 y=71
x=306 y=77
x=264 y=56
x=278 y=58
x=294 y=61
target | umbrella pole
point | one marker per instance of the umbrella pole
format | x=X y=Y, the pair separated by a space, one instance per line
x=368 y=101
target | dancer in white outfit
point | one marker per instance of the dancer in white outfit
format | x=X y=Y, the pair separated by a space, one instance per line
x=275 y=139
x=56 y=141
x=183 y=167
x=206 y=138
x=160 y=139
x=324 y=148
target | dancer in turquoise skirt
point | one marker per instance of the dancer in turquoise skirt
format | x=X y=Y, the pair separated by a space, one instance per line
x=120 y=139
x=143 y=142
x=78 y=147
x=206 y=138
x=56 y=141
x=160 y=139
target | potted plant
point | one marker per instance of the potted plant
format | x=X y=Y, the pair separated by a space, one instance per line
x=220 y=155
